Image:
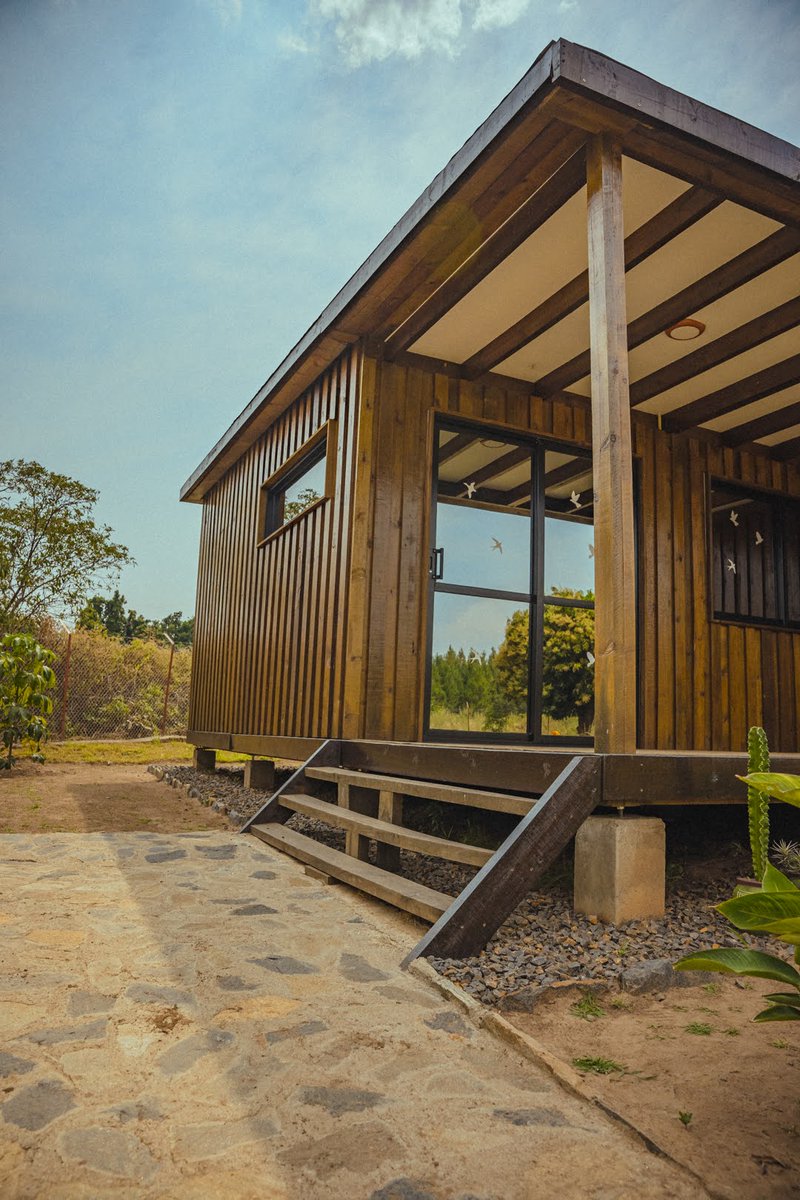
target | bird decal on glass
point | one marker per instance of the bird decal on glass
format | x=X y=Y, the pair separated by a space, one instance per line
x=497 y=545
x=471 y=490
x=734 y=518
x=591 y=550
x=590 y=658
x=576 y=498
x=759 y=538
x=731 y=566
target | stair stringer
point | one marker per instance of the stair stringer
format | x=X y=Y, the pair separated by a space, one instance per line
x=479 y=911
x=327 y=755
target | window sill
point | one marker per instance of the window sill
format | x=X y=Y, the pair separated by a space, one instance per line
x=276 y=533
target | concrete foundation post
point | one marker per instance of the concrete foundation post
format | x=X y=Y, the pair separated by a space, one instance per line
x=204 y=760
x=259 y=774
x=620 y=868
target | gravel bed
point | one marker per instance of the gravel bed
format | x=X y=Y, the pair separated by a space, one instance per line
x=543 y=941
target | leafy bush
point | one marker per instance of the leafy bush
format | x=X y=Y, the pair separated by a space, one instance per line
x=25 y=676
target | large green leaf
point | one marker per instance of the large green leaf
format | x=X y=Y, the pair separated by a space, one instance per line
x=780 y=787
x=758 y=909
x=741 y=962
x=790 y=998
x=775 y=881
x=779 y=1012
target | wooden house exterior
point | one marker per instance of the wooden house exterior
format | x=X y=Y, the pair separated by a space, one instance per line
x=588 y=323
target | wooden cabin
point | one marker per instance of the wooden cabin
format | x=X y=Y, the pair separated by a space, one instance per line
x=529 y=488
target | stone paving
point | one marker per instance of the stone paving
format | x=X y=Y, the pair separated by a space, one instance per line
x=192 y=1016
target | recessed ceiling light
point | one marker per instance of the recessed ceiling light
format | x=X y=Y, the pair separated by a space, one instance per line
x=491 y=444
x=686 y=331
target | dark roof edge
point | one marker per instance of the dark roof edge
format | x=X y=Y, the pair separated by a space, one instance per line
x=575 y=67
x=539 y=75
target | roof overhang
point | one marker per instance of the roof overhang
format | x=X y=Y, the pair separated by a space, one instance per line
x=514 y=188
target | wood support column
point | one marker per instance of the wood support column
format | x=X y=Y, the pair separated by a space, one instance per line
x=615 y=567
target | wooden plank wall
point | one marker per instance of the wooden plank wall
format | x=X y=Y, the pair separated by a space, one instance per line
x=702 y=683
x=269 y=652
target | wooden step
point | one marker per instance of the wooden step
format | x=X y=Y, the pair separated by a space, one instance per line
x=383 y=831
x=446 y=793
x=402 y=893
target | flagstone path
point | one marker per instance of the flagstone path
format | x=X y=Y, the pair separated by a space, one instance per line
x=191 y=1016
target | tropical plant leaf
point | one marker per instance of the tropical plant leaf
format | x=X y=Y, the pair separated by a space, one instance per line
x=780 y=787
x=758 y=909
x=741 y=962
x=790 y=998
x=775 y=881
x=780 y=1012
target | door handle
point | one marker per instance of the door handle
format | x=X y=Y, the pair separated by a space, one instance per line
x=436 y=563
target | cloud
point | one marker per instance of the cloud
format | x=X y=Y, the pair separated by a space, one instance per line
x=374 y=30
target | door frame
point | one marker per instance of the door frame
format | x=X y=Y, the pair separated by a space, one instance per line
x=538 y=445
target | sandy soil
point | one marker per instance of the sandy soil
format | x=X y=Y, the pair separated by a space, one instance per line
x=94 y=798
x=737 y=1085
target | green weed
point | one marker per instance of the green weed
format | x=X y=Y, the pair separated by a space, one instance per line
x=598 y=1066
x=699 y=1028
x=587 y=1008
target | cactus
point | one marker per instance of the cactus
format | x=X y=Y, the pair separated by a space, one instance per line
x=758 y=802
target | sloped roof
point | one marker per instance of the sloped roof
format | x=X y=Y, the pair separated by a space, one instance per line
x=486 y=269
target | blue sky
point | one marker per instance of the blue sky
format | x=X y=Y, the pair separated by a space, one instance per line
x=187 y=183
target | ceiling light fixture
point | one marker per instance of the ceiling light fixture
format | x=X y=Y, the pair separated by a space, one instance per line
x=491 y=443
x=686 y=331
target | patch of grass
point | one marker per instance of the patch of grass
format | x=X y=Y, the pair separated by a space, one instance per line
x=732 y=1032
x=699 y=1028
x=598 y=1066
x=711 y=988
x=149 y=750
x=621 y=1002
x=587 y=1008
x=780 y=1044
x=685 y=1119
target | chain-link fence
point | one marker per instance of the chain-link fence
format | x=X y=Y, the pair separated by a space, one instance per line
x=106 y=688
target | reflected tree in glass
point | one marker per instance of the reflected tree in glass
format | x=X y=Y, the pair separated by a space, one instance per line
x=568 y=661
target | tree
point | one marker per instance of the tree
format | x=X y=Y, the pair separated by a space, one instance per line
x=110 y=615
x=568 y=660
x=51 y=549
x=179 y=629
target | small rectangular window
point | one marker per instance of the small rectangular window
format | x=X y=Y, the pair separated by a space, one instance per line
x=301 y=483
x=754 y=541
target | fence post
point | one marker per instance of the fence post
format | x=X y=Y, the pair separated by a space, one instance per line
x=62 y=725
x=169 y=680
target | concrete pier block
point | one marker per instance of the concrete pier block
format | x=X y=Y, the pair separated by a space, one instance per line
x=620 y=868
x=204 y=760
x=259 y=773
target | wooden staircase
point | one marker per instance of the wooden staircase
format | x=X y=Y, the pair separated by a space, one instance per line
x=369 y=809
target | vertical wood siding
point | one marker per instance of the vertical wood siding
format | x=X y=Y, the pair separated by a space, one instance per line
x=322 y=632
x=270 y=631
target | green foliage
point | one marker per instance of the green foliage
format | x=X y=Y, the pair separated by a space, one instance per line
x=699 y=1029
x=110 y=615
x=758 y=801
x=685 y=1118
x=588 y=1008
x=51 y=549
x=567 y=670
x=25 y=676
x=293 y=508
x=598 y=1066
x=462 y=682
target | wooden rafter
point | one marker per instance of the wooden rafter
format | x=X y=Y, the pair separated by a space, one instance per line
x=718 y=283
x=500 y=465
x=676 y=217
x=455 y=446
x=773 y=422
x=745 y=337
x=785 y=451
x=567 y=471
x=542 y=205
x=727 y=399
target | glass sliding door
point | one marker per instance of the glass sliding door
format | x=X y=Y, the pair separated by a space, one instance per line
x=511 y=634
x=481 y=572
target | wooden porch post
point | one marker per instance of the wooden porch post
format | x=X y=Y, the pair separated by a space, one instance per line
x=615 y=568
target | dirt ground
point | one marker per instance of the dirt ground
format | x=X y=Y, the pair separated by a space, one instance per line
x=94 y=798
x=694 y=1051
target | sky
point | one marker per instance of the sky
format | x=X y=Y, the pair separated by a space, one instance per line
x=185 y=185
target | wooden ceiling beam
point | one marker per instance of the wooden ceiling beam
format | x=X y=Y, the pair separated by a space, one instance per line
x=785 y=451
x=455 y=446
x=728 y=399
x=773 y=422
x=688 y=208
x=567 y=471
x=500 y=465
x=718 y=283
x=472 y=264
x=745 y=337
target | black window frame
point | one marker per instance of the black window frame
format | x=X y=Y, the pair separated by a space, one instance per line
x=321 y=447
x=784 y=508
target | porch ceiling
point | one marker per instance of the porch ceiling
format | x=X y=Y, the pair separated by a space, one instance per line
x=691 y=254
